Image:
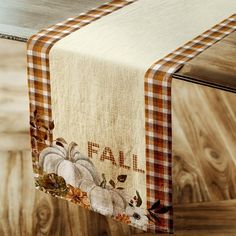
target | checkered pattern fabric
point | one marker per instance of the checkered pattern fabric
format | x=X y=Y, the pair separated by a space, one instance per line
x=157 y=96
x=158 y=117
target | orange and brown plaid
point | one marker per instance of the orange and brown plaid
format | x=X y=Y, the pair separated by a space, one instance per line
x=158 y=117
x=157 y=96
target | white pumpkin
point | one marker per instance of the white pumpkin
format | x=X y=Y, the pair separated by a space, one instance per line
x=106 y=201
x=66 y=161
x=79 y=171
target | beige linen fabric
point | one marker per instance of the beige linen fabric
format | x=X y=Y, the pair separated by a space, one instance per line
x=97 y=75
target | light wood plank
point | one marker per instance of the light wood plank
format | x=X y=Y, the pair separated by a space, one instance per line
x=204 y=141
x=14 y=124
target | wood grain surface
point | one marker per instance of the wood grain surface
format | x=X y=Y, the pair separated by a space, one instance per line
x=26 y=211
x=14 y=125
x=21 y=19
x=215 y=67
x=204 y=164
x=204 y=143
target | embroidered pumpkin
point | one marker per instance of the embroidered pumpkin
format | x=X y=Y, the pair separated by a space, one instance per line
x=107 y=201
x=66 y=161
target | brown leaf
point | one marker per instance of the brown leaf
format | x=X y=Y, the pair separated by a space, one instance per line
x=33 y=124
x=139 y=201
x=35 y=113
x=120 y=188
x=154 y=216
x=37 y=138
x=112 y=183
x=131 y=205
x=41 y=135
x=103 y=184
x=151 y=218
x=45 y=127
x=51 y=125
x=122 y=178
x=156 y=205
x=39 y=122
x=162 y=210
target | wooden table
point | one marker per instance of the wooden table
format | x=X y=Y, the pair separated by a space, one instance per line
x=204 y=125
x=19 y=19
x=215 y=67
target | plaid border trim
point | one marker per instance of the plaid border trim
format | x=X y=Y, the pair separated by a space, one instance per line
x=158 y=117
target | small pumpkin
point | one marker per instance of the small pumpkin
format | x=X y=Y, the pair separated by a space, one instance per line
x=79 y=171
x=107 y=201
x=66 y=161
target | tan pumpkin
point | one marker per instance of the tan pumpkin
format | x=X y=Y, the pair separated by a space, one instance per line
x=107 y=201
x=66 y=161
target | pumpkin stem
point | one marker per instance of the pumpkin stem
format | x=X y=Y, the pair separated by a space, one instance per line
x=71 y=147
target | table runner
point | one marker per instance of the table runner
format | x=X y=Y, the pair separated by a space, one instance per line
x=112 y=184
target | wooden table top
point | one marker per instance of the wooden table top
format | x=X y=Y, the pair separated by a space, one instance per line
x=215 y=67
x=19 y=19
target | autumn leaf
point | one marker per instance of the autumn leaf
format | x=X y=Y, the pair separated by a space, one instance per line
x=151 y=218
x=52 y=183
x=103 y=176
x=139 y=201
x=122 y=178
x=154 y=216
x=120 y=188
x=155 y=205
x=41 y=134
x=51 y=125
x=45 y=127
x=162 y=210
x=37 y=138
x=112 y=183
x=131 y=205
x=32 y=123
x=35 y=113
